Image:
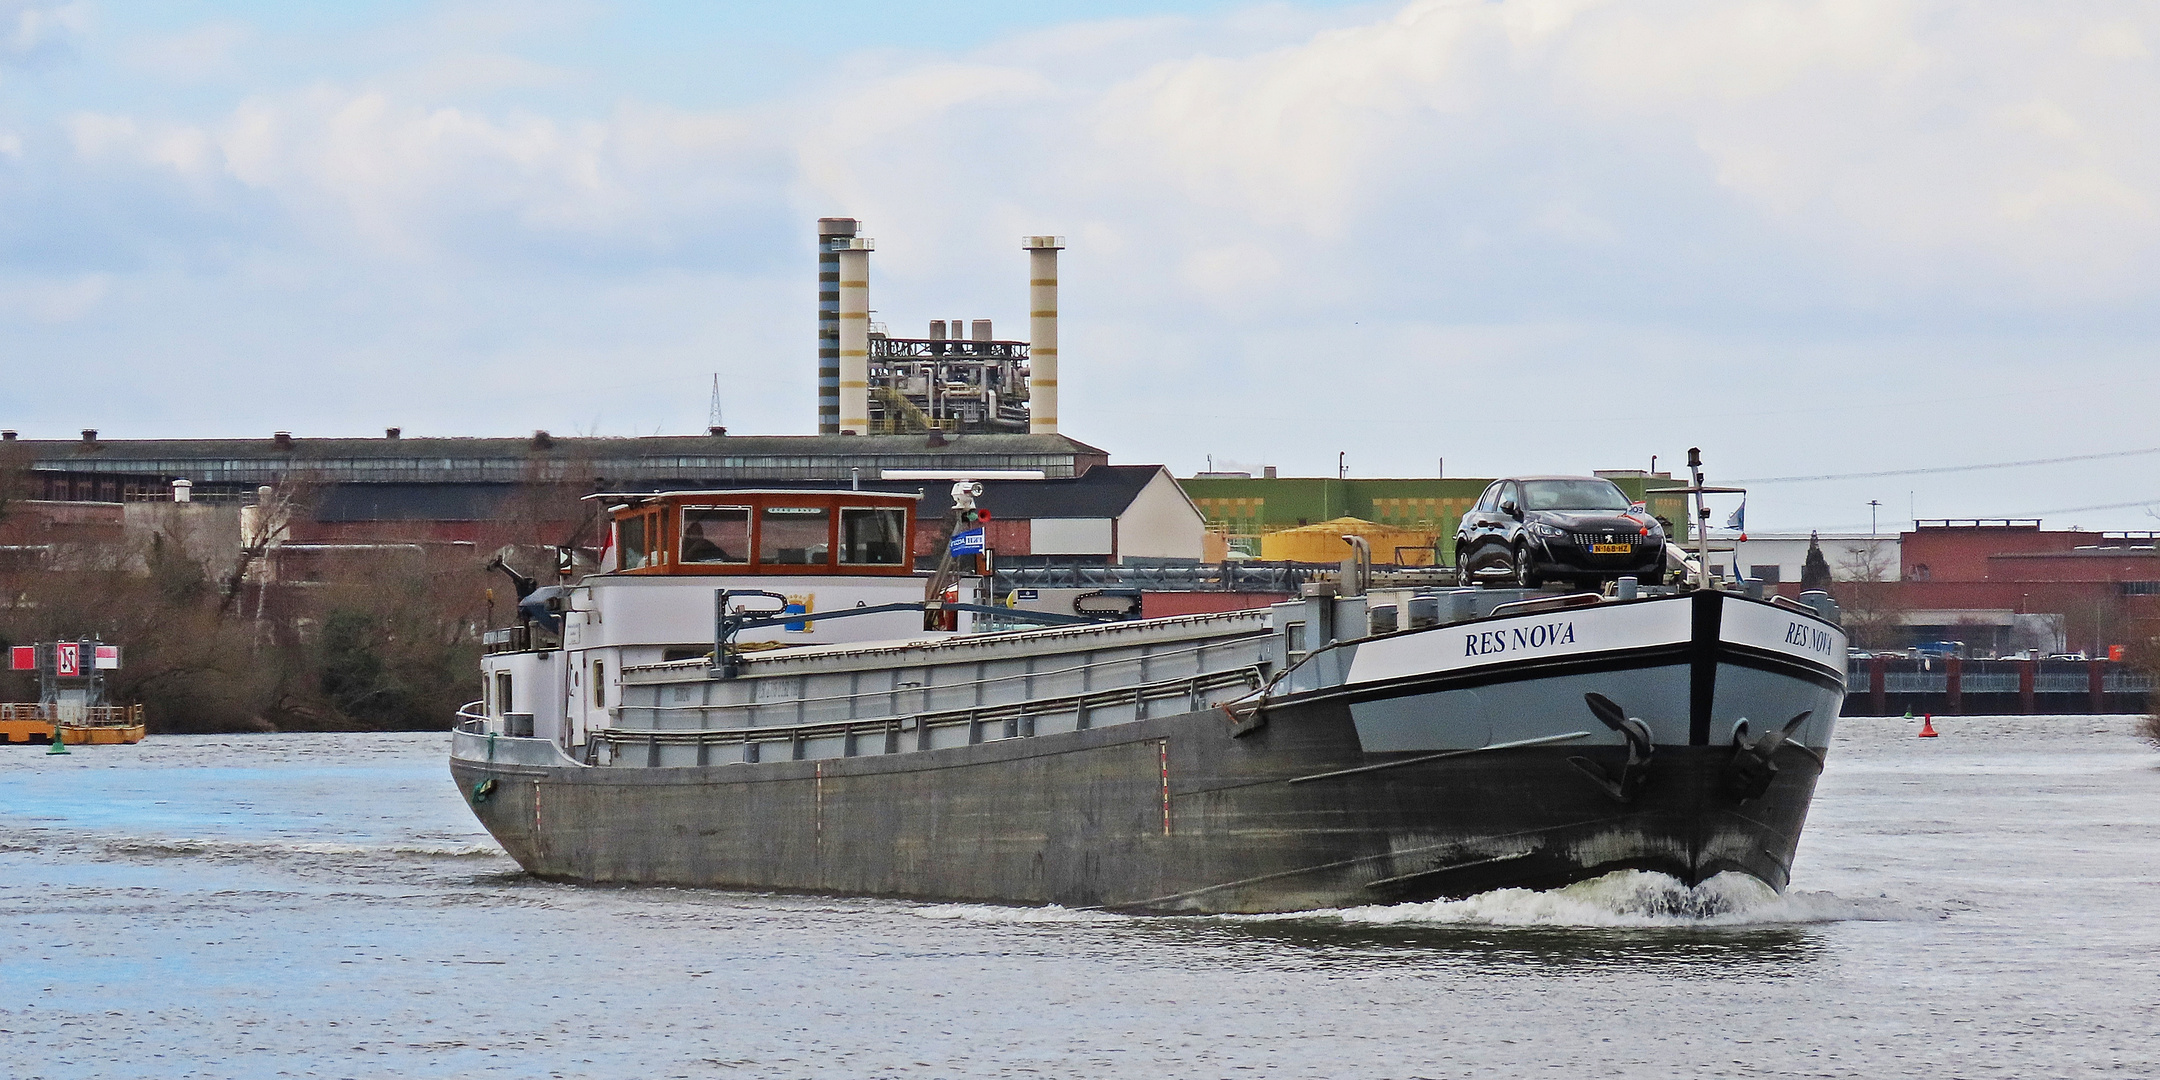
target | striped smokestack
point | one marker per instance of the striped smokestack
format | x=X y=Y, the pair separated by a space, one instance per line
x=832 y=232
x=854 y=256
x=1042 y=333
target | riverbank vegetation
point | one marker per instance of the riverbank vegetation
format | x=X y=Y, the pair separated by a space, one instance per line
x=224 y=627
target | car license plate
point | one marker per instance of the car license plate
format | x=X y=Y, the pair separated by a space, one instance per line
x=1610 y=549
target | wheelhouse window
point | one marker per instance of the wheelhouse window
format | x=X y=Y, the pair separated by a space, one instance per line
x=795 y=536
x=715 y=535
x=872 y=537
x=636 y=548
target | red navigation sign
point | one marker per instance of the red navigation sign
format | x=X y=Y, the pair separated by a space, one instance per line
x=66 y=659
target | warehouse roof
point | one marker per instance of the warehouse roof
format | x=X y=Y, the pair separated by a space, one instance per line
x=679 y=458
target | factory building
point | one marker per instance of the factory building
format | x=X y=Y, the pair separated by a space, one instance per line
x=1981 y=581
x=959 y=378
x=96 y=469
x=132 y=470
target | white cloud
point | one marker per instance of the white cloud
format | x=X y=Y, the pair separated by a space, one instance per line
x=33 y=33
x=1581 y=204
x=1968 y=143
x=198 y=53
x=53 y=301
x=1968 y=146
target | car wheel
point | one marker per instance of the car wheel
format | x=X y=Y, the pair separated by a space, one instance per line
x=1463 y=574
x=1525 y=574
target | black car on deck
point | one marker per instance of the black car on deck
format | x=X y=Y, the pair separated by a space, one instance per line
x=1533 y=529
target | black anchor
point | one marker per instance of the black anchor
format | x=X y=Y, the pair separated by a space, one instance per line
x=1628 y=784
x=1752 y=769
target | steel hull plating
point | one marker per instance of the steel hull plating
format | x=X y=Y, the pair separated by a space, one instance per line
x=1179 y=814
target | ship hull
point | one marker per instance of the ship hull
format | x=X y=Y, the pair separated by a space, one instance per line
x=1208 y=812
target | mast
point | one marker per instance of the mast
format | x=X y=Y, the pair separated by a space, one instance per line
x=1697 y=488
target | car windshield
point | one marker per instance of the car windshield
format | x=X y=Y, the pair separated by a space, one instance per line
x=1572 y=495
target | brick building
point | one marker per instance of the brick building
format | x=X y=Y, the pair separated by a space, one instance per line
x=2006 y=585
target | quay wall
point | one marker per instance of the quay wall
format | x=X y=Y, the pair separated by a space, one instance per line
x=1893 y=686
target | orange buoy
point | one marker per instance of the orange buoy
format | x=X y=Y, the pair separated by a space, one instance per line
x=1927 y=726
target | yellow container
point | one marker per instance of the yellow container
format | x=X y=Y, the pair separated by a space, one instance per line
x=1322 y=542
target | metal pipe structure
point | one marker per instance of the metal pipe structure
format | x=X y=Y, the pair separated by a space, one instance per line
x=854 y=256
x=831 y=233
x=1702 y=520
x=1042 y=333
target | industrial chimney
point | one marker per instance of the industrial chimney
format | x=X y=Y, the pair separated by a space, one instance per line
x=854 y=256
x=832 y=232
x=1042 y=333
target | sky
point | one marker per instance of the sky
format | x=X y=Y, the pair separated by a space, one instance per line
x=1477 y=237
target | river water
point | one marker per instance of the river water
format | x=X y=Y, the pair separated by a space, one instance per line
x=1982 y=904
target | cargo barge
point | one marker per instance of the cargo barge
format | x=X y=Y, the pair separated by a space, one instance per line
x=98 y=725
x=747 y=697
x=71 y=709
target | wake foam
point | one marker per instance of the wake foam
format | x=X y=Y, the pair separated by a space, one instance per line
x=1623 y=899
x=993 y=913
x=1633 y=898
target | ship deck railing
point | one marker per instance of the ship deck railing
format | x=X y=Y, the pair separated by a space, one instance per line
x=976 y=687
x=475 y=737
x=74 y=716
x=888 y=734
x=946 y=649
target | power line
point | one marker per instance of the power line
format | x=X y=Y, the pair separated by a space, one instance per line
x=2154 y=501
x=1858 y=525
x=1955 y=468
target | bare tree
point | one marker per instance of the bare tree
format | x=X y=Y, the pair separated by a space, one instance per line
x=1873 y=608
x=152 y=595
x=269 y=524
